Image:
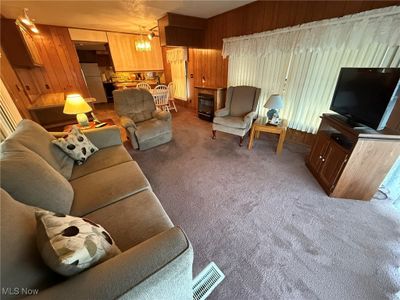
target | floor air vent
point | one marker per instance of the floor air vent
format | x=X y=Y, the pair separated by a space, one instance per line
x=207 y=281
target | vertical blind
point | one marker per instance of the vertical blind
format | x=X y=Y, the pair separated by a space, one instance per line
x=9 y=114
x=303 y=62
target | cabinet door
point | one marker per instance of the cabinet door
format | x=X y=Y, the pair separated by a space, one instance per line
x=318 y=150
x=31 y=47
x=122 y=51
x=126 y=58
x=332 y=165
x=149 y=60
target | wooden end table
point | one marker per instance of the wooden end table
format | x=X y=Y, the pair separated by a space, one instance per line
x=261 y=126
x=92 y=125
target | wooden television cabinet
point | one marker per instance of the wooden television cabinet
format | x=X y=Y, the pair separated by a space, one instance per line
x=351 y=162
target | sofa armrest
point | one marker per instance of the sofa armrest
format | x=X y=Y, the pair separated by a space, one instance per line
x=162 y=115
x=104 y=136
x=127 y=122
x=58 y=135
x=168 y=254
x=221 y=112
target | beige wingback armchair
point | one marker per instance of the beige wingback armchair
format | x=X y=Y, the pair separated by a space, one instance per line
x=239 y=112
x=146 y=126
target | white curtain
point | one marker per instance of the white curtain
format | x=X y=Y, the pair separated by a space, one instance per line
x=177 y=58
x=303 y=62
x=9 y=114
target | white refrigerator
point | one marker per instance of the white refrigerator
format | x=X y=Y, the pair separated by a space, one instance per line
x=94 y=82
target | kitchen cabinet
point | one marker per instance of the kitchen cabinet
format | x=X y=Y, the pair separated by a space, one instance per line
x=61 y=72
x=126 y=58
x=327 y=159
x=84 y=35
x=332 y=163
x=19 y=45
x=351 y=162
x=180 y=30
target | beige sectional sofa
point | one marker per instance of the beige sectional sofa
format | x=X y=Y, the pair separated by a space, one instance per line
x=109 y=189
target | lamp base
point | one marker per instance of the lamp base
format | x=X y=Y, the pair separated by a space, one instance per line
x=271 y=113
x=83 y=120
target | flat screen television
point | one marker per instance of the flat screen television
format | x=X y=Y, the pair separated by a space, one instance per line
x=366 y=95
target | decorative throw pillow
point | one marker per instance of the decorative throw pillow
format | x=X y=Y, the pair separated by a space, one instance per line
x=69 y=245
x=76 y=145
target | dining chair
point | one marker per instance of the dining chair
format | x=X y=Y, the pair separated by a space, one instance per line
x=143 y=85
x=171 y=99
x=160 y=95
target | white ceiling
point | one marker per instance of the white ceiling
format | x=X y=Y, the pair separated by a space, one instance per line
x=117 y=15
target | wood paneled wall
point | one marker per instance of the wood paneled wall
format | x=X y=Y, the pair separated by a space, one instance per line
x=61 y=71
x=14 y=86
x=257 y=17
x=267 y=15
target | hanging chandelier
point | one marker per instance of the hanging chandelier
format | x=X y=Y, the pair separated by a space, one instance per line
x=142 y=44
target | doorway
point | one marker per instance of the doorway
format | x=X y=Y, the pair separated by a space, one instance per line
x=97 y=69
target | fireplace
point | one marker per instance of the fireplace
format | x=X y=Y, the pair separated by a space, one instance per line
x=209 y=99
x=206 y=106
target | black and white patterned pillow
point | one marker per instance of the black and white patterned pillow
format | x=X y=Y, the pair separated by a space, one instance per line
x=69 y=245
x=76 y=145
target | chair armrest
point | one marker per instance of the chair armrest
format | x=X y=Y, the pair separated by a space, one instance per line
x=161 y=115
x=221 y=112
x=250 y=116
x=127 y=122
x=104 y=136
x=119 y=275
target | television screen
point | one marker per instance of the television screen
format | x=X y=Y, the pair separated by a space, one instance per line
x=363 y=94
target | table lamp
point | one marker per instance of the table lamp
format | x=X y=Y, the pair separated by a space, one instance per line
x=274 y=103
x=76 y=105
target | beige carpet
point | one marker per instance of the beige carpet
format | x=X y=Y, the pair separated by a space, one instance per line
x=266 y=222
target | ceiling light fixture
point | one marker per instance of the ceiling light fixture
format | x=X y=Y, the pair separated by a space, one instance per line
x=141 y=44
x=26 y=22
x=151 y=35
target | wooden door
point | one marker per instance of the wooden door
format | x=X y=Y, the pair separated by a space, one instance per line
x=332 y=165
x=318 y=150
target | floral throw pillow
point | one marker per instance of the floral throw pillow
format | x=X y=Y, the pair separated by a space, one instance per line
x=76 y=145
x=69 y=245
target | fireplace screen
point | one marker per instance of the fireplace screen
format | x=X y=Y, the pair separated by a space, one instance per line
x=206 y=107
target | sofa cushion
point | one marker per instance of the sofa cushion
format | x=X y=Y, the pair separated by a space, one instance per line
x=76 y=145
x=21 y=264
x=69 y=245
x=107 y=186
x=31 y=180
x=234 y=122
x=140 y=217
x=102 y=159
x=34 y=137
x=151 y=128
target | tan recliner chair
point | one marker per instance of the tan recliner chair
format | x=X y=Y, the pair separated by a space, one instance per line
x=146 y=127
x=239 y=112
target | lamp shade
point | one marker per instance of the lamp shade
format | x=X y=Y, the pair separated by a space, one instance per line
x=275 y=101
x=75 y=104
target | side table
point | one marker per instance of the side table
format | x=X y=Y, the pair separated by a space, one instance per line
x=92 y=125
x=260 y=125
